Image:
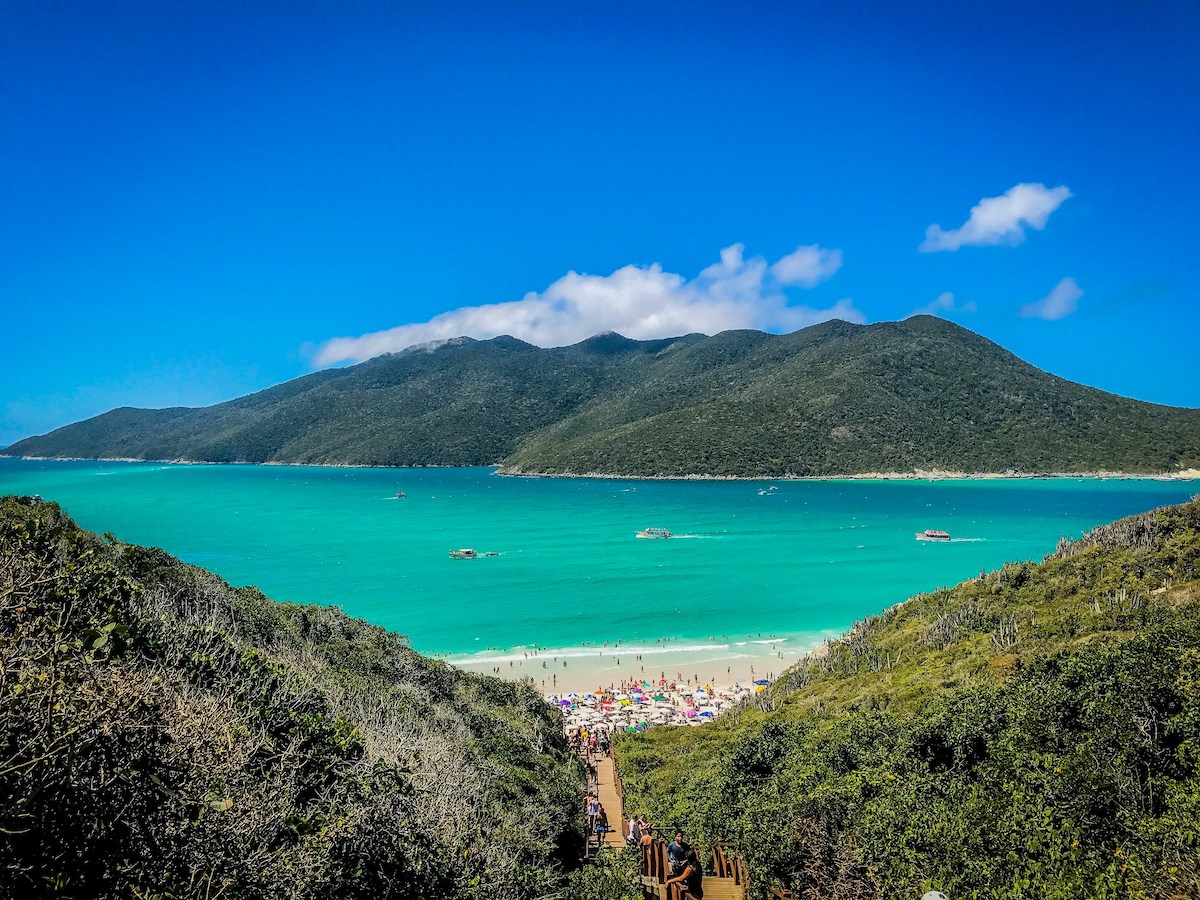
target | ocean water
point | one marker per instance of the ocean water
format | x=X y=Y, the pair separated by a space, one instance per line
x=802 y=561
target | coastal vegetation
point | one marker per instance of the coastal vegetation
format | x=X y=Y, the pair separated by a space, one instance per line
x=163 y=734
x=832 y=399
x=1032 y=732
x=1035 y=730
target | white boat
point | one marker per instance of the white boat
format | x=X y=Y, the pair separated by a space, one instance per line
x=930 y=534
x=464 y=553
x=654 y=533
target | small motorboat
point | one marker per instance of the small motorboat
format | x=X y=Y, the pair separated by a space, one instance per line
x=464 y=553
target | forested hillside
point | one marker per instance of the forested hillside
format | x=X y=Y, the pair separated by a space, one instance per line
x=1034 y=732
x=165 y=735
x=833 y=399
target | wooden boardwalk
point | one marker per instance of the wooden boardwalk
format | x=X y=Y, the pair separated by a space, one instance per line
x=727 y=884
x=609 y=792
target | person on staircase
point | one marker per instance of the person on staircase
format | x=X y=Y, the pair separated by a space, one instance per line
x=635 y=832
x=592 y=811
x=677 y=853
x=691 y=877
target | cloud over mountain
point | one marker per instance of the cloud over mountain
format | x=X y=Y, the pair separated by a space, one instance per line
x=944 y=304
x=999 y=220
x=637 y=301
x=1058 y=304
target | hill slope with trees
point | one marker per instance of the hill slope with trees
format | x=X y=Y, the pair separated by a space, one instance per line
x=165 y=735
x=1032 y=732
x=832 y=399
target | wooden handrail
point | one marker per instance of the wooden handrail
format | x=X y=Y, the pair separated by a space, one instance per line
x=678 y=892
x=655 y=869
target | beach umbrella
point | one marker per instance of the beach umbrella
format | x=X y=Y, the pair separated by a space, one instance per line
x=625 y=703
x=759 y=689
x=659 y=697
x=707 y=713
x=621 y=696
x=572 y=696
x=762 y=681
x=690 y=713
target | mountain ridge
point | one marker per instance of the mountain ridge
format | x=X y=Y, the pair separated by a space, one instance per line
x=832 y=399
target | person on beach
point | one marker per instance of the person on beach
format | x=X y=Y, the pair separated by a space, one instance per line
x=691 y=875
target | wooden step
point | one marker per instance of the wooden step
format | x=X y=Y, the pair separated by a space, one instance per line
x=722 y=889
x=716 y=889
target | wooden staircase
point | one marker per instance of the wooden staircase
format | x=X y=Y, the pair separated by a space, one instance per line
x=728 y=881
x=609 y=792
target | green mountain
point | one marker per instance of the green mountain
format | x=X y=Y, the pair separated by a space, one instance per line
x=165 y=735
x=832 y=399
x=1034 y=732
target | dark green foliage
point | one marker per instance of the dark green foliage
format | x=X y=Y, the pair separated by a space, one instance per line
x=832 y=399
x=164 y=735
x=613 y=875
x=1061 y=760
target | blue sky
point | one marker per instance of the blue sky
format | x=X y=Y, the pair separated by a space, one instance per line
x=200 y=198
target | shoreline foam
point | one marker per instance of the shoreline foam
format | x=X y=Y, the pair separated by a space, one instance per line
x=724 y=661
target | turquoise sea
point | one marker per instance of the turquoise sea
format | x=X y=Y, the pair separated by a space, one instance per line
x=801 y=561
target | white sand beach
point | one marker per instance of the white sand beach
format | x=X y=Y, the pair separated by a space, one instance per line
x=723 y=662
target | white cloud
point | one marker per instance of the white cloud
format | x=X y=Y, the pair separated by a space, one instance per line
x=637 y=301
x=1058 y=304
x=807 y=266
x=1000 y=220
x=944 y=304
